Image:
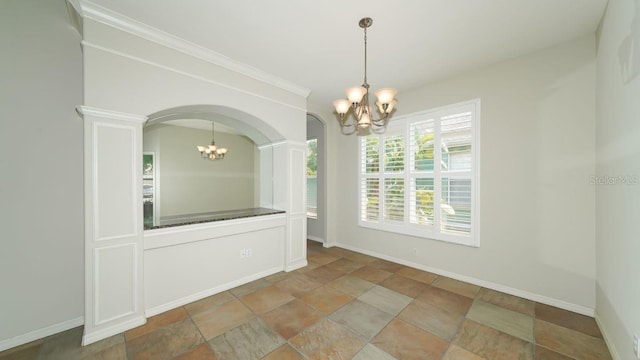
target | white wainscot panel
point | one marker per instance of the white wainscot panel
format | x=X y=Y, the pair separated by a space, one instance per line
x=297 y=242
x=115 y=282
x=215 y=259
x=114 y=181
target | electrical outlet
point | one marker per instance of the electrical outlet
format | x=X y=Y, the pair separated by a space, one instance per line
x=245 y=253
x=636 y=346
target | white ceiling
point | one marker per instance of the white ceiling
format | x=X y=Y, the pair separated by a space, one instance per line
x=319 y=46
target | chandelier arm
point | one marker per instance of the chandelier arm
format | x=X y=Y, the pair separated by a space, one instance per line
x=351 y=130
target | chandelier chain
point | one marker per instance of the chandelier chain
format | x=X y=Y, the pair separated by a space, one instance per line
x=365 y=58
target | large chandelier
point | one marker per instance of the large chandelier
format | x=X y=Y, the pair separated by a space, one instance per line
x=358 y=101
x=212 y=152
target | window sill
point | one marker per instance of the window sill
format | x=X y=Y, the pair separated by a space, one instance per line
x=421 y=232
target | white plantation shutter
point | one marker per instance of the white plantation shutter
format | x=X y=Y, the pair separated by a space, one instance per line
x=394 y=199
x=370 y=182
x=393 y=154
x=456 y=138
x=370 y=206
x=456 y=206
x=421 y=201
x=419 y=178
x=370 y=159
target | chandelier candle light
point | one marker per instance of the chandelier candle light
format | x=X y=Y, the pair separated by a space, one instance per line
x=358 y=100
x=212 y=152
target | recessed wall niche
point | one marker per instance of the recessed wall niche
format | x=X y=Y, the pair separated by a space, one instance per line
x=182 y=183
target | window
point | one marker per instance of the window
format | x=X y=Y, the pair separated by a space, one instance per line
x=421 y=176
x=312 y=178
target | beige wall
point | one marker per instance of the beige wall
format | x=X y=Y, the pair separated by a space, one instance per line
x=189 y=184
x=41 y=191
x=537 y=207
x=618 y=155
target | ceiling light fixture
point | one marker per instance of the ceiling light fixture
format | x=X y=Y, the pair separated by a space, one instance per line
x=212 y=152
x=358 y=101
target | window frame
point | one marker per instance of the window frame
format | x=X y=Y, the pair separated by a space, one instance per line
x=402 y=125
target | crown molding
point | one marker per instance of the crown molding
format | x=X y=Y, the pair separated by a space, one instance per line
x=110 y=114
x=121 y=22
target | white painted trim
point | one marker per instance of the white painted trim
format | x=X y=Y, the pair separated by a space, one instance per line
x=205 y=293
x=96 y=282
x=315 y=238
x=110 y=114
x=184 y=73
x=483 y=283
x=402 y=127
x=171 y=236
x=295 y=265
x=40 y=333
x=113 y=19
x=607 y=338
x=134 y=187
x=298 y=144
x=112 y=330
x=76 y=6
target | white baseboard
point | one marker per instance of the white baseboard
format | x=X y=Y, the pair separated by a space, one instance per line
x=205 y=293
x=112 y=330
x=315 y=238
x=40 y=333
x=607 y=339
x=490 y=285
x=296 y=265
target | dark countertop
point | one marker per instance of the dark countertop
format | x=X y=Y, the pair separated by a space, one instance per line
x=189 y=219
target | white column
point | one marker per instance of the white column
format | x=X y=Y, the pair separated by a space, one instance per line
x=289 y=193
x=113 y=223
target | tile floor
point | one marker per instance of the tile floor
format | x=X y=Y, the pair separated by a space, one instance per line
x=345 y=305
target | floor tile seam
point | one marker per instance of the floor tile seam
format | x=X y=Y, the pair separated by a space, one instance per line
x=291 y=346
x=213 y=308
x=430 y=332
x=324 y=317
x=576 y=330
x=557 y=352
x=570 y=329
x=454 y=338
x=126 y=347
x=340 y=291
x=204 y=339
x=506 y=333
x=535 y=338
x=502 y=308
x=442 y=307
x=39 y=354
x=227 y=330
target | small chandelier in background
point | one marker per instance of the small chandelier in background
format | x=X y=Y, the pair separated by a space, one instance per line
x=358 y=101
x=212 y=152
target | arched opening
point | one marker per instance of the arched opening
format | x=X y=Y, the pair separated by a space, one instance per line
x=181 y=184
x=316 y=179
